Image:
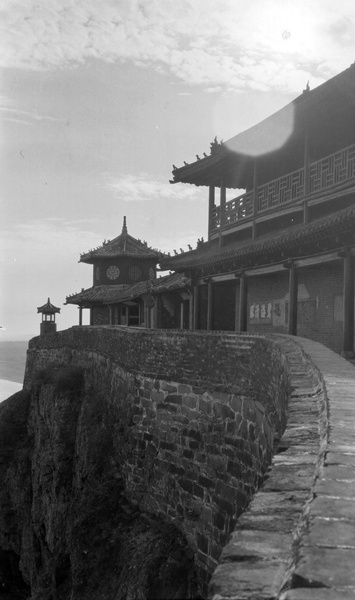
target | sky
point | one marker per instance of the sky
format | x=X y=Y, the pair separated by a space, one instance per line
x=98 y=101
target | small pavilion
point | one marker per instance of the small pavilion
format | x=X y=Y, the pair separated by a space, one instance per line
x=48 y=324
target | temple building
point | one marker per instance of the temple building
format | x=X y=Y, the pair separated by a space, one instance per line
x=280 y=252
x=279 y=257
x=126 y=290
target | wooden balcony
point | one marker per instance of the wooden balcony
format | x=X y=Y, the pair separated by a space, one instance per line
x=322 y=176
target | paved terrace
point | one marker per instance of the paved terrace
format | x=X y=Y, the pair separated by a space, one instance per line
x=296 y=541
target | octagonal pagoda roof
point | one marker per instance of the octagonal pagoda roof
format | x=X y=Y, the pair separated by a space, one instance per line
x=48 y=308
x=123 y=245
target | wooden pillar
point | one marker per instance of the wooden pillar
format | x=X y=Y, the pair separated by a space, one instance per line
x=222 y=209
x=307 y=163
x=305 y=213
x=209 y=306
x=91 y=316
x=255 y=197
x=191 y=312
x=348 y=300
x=243 y=303
x=158 y=311
x=182 y=314
x=307 y=177
x=196 y=317
x=80 y=315
x=293 y=291
x=211 y=205
x=110 y=311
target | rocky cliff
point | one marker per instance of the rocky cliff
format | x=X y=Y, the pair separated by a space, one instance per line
x=67 y=529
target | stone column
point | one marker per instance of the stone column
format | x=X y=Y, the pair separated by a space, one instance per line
x=348 y=307
x=293 y=291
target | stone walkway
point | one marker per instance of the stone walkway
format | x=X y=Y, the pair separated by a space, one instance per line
x=296 y=541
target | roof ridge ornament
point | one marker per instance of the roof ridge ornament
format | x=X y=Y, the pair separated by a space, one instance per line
x=124 y=228
x=215 y=146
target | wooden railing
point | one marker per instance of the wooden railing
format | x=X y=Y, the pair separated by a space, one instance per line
x=326 y=173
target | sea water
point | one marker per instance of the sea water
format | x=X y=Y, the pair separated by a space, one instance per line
x=12 y=367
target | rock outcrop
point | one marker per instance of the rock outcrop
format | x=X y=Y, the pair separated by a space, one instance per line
x=67 y=529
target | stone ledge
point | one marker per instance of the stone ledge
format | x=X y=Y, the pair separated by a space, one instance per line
x=308 y=497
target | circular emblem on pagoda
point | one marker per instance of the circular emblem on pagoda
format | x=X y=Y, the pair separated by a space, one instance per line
x=151 y=273
x=135 y=273
x=113 y=273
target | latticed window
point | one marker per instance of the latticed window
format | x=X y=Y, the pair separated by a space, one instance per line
x=135 y=273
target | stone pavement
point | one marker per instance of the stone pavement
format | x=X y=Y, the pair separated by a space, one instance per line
x=296 y=541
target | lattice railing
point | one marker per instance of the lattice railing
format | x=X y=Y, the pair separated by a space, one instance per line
x=239 y=208
x=286 y=188
x=333 y=169
x=216 y=218
x=327 y=172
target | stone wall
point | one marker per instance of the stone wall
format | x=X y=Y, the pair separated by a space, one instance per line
x=195 y=416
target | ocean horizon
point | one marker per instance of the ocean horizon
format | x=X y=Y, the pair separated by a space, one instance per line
x=12 y=367
x=8 y=388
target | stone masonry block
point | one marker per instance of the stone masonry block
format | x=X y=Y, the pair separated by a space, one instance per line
x=223 y=411
x=173 y=398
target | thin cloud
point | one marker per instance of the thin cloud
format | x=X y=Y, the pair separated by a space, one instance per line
x=45 y=236
x=229 y=44
x=23 y=116
x=140 y=188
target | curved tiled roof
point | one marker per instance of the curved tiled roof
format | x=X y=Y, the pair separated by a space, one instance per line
x=97 y=293
x=48 y=308
x=111 y=294
x=291 y=243
x=122 y=245
x=336 y=96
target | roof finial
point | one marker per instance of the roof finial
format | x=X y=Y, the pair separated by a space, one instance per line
x=124 y=228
